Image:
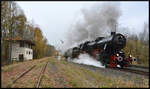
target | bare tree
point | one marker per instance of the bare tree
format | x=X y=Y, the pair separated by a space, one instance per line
x=144 y=35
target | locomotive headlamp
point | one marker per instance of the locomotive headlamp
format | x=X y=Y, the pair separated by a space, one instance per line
x=117 y=54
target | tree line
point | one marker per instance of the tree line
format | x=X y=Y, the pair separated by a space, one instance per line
x=138 y=45
x=14 y=23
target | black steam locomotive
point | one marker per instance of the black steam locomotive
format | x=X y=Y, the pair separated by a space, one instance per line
x=107 y=50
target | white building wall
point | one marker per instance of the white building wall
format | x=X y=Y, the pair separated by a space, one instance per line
x=16 y=50
x=27 y=55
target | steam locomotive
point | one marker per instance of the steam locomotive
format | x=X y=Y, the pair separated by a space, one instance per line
x=107 y=50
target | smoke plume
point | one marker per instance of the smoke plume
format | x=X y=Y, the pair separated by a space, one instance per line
x=99 y=20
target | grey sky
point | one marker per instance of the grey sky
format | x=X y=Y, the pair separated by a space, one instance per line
x=55 y=18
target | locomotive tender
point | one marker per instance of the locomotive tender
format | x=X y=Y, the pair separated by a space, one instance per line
x=107 y=50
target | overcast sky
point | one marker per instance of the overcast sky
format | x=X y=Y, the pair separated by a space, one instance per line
x=55 y=18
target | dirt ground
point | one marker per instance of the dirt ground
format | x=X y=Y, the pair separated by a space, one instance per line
x=63 y=74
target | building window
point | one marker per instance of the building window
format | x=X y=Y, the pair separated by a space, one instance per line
x=21 y=44
x=29 y=52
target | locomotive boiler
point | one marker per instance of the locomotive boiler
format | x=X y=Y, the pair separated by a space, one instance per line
x=107 y=50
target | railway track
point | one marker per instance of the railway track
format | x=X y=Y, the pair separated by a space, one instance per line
x=140 y=72
x=27 y=71
x=41 y=75
x=140 y=68
x=135 y=71
x=136 y=66
x=145 y=73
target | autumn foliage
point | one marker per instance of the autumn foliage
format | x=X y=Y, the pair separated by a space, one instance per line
x=13 y=24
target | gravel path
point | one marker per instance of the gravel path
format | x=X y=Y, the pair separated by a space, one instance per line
x=56 y=76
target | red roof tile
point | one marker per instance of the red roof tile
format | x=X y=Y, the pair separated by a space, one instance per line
x=18 y=38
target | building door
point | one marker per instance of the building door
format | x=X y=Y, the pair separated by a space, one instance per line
x=21 y=58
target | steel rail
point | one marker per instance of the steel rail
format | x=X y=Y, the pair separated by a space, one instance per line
x=144 y=67
x=24 y=73
x=132 y=71
x=41 y=75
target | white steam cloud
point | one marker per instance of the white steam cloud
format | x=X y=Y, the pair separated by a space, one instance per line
x=86 y=59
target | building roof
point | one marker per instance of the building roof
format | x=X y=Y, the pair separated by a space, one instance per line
x=18 y=38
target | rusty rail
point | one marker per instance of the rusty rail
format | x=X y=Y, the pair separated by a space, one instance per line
x=24 y=73
x=41 y=75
